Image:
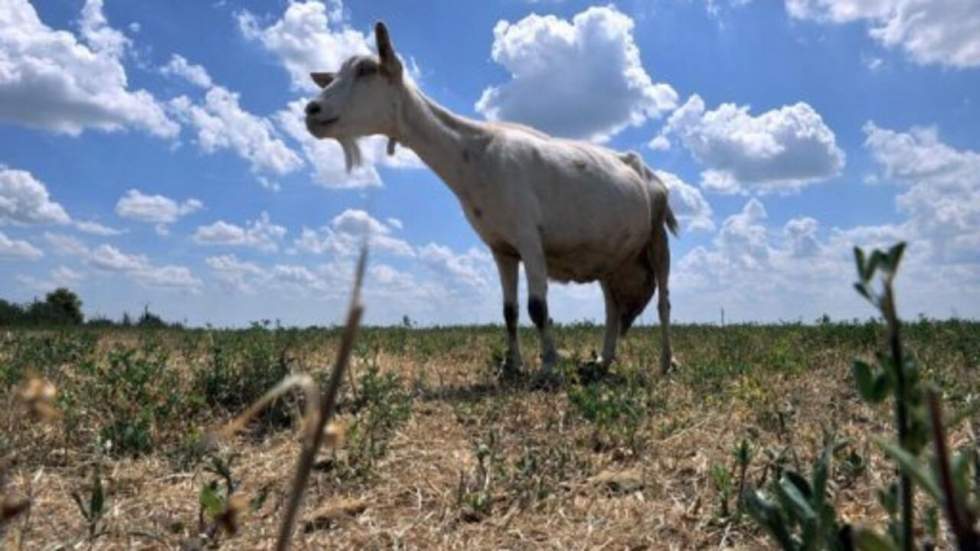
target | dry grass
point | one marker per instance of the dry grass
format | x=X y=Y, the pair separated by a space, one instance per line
x=476 y=463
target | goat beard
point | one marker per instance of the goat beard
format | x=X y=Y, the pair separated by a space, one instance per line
x=352 y=153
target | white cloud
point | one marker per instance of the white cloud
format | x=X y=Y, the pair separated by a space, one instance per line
x=25 y=200
x=52 y=80
x=154 y=209
x=756 y=271
x=310 y=36
x=169 y=276
x=234 y=273
x=111 y=259
x=15 y=248
x=944 y=32
x=782 y=150
x=260 y=234
x=691 y=208
x=801 y=233
x=195 y=74
x=95 y=228
x=62 y=276
x=347 y=231
x=138 y=268
x=65 y=244
x=581 y=78
x=473 y=269
x=942 y=187
x=222 y=124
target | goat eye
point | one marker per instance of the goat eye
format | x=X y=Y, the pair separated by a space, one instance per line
x=364 y=70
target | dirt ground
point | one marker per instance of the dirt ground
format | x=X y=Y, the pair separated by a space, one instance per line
x=439 y=451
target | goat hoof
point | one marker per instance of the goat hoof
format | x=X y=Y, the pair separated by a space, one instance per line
x=593 y=371
x=510 y=369
x=547 y=379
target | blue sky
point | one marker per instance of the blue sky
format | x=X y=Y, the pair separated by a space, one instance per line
x=152 y=153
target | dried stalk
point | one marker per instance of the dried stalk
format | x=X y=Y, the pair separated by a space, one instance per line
x=314 y=439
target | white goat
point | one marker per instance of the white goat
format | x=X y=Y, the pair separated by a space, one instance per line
x=569 y=210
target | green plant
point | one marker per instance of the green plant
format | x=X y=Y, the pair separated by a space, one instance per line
x=381 y=405
x=918 y=418
x=722 y=480
x=474 y=495
x=135 y=393
x=894 y=374
x=616 y=411
x=93 y=508
x=801 y=517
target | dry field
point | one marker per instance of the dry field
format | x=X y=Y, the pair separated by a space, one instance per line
x=437 y=451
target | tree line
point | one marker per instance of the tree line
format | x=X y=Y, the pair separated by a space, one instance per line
x=63 y=307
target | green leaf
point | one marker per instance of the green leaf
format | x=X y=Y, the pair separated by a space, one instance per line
x=767 y=514
x=859 y=260
x=796 y=499
x=895 y=255
x=802 y=484
x=872 y=384
x=820 y=473
x=862 y=290
x=97 y=501
x=212 y=502
x=911 y=466
x=866 y=540
x=877 y=257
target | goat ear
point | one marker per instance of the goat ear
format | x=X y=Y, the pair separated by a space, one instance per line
x=322 y=79
x=390 y=64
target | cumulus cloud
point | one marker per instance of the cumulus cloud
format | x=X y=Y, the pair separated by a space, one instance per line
x=941 y=183
x=25 y=200
x=95 y=228
x=139 y=268
x=943 y=32
x=234 y=273
x=759 y=270
x=347 y=231
x=154 y=209
x=259 y=234
x=111 y=259
x=782 y=150
x=581 y=78
x=18 y=249
x=169 y=276
x=689 y=205
x=472 y=269
x=62 y=276
x=180 y=67
x=222 y=124
x=65 y=244
x=53 y=80
x=310 y=36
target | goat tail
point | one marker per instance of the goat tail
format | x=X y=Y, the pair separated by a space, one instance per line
x=671 y=221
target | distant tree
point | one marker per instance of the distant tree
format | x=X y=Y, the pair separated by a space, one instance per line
x=127 y=320
x=64 y=306
x=10 y=313
x=149 y=319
